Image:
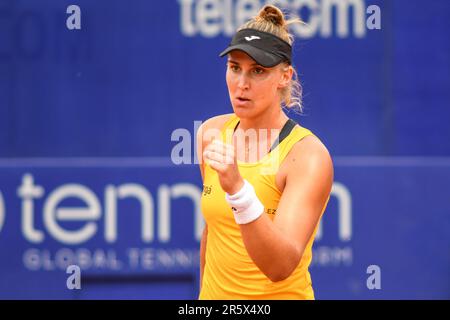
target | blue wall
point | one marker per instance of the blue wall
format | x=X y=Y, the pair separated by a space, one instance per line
x=86 y=118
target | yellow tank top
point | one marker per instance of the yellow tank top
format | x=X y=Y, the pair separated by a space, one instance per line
x=229 y=271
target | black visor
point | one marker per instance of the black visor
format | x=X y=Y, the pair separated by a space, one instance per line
x=265 y=48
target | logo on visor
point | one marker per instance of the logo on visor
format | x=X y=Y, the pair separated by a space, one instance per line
x=252 y=38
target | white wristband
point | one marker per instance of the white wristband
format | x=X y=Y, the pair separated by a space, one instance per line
x=245 y=204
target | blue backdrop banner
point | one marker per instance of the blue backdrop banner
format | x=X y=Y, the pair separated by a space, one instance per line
x=96 y=95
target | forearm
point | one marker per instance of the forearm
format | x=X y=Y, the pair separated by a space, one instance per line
x=272 y=252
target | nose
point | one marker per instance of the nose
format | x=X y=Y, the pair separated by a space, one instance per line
x=243 y=82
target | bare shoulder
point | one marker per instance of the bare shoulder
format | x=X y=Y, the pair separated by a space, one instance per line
x=216 y=122
x=309 y=154
x=206 y=130
x=310 y=145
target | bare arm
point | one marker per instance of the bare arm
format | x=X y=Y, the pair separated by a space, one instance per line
x=277 y=247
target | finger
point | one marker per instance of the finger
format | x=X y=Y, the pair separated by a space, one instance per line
x=216 y=161
x=214 y=164
x=221 y=148
x=216 y=156
x=221 y=145
x=227 y=149
x=222 y=158
x=216 y=146
x=225 y=159
x=228 y=159
x=229 y=153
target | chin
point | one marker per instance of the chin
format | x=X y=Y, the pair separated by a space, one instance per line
x=244 y=112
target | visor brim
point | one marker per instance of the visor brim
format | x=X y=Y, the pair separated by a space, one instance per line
x=261 y=57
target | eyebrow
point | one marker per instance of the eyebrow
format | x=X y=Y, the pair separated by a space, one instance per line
x=235 y=62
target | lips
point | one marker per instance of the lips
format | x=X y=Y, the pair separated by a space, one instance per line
x=243 y=99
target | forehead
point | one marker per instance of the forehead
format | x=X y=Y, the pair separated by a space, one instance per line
x=241 y=57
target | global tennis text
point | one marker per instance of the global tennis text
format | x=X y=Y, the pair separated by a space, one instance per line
x=74 y=216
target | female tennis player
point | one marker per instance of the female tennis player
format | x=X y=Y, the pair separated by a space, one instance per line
x=267 y=180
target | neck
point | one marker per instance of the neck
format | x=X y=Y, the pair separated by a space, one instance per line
x=274 y=118
x=267 y=127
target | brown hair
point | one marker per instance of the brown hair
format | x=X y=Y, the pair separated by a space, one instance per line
x=271 y=19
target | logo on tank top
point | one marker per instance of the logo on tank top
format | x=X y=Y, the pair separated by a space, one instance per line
x=271 y=211
x=207 y=190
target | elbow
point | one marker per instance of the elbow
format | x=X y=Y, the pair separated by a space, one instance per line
x=285 y=269
x=282 y=272
x=279 y=277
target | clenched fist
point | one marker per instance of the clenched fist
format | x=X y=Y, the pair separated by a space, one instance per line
x=222 y=158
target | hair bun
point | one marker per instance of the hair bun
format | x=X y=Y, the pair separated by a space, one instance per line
x=272 y=14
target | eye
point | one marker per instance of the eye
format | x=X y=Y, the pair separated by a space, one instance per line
x=233 y=67
x=258 y=70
